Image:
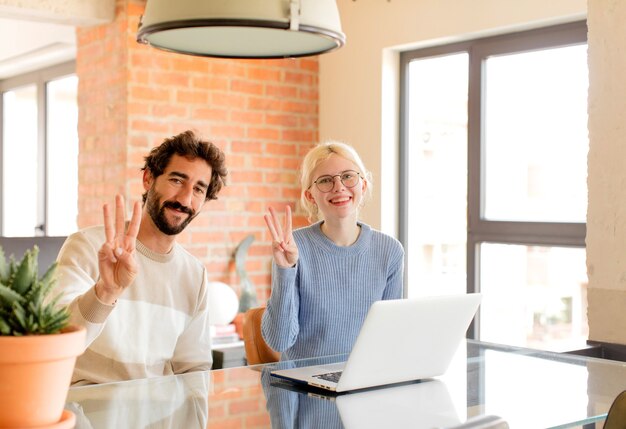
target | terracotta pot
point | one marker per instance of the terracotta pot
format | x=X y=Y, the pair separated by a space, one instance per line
x=35 y=375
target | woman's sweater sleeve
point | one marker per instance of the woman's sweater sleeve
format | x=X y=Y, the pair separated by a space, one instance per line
x=280 y=319
x=395 y=277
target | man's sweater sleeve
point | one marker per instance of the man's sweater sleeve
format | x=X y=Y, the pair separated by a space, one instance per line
x=77 y=274
x=280 y=319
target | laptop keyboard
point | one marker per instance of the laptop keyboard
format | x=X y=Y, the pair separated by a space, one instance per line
x=330 y=376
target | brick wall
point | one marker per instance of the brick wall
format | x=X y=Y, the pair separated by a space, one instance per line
x=262 y=113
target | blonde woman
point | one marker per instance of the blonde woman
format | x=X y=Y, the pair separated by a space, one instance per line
x=326 y=276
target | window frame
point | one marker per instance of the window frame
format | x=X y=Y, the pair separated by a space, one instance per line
x=480 y=230
x=40 y=79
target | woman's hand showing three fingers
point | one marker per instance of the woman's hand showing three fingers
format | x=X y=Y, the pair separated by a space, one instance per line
x=283 y=245
x=116 y=257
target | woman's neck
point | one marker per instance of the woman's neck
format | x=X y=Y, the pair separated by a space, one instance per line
x=342 y=232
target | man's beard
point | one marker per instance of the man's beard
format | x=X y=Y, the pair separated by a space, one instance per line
x=158 y=213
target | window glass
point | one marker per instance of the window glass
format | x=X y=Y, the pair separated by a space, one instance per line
x=533 y=296
x=437 y=175
x=494 y=158
x=535 y=136
x=20 y=165
x=62 y=151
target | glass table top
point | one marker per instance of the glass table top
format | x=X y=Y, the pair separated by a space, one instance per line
x=526 y=388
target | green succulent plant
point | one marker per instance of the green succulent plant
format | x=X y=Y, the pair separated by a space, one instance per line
x=24 y=305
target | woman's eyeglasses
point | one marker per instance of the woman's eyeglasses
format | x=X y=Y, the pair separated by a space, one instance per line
x=326 y=183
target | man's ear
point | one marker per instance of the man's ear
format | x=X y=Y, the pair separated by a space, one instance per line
x=148 y=179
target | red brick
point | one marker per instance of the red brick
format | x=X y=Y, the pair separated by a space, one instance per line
x=164 y=110
x=227 y=423
x=309 y=64
x=247 y=176
x=263 y=133
x=298 y=135
x=258 y=421
x=299 y=78
x=281 y=148
x=262 y=74
x=191 y=97
x=286 y=177
x=309 y=94
x=265 y=104
x=264 y=114
x=228 y=100
x=141 y=92
x=210 y=83
x=249 y=118
x=285 y=120
x=232 y=68
x=169 y=79
x=266 y=162
x=152 y=126
x=233 y=131
x=189 y=64
x=218 y=115
x=247 y=86
x=281 y=91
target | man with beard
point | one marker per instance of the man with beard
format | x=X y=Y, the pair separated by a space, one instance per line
x=139 y=294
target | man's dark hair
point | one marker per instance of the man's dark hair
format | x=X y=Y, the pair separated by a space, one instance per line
x=190 y=146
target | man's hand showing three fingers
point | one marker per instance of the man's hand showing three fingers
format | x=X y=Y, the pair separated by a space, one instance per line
x=116 y=257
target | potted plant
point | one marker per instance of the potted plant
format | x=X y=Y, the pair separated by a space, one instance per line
x=38 y=347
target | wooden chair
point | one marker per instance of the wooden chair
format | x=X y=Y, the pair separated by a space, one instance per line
x=257 y=350
x=616 y=417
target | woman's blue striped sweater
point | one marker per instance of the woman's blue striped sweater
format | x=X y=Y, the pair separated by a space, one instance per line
x=317 y=307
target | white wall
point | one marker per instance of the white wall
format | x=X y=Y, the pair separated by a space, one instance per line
x=606 y=213
x=359 y=82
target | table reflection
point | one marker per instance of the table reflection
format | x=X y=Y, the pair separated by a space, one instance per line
x=425 y=404
x=171 y=402
x=525 y=388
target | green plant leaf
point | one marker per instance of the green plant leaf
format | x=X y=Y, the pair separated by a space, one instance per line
x=20 y=315
x=25 y=307
x=5 y=329
x=23 y=278
x=49 y=278
x=8 y=296
x=4 y=267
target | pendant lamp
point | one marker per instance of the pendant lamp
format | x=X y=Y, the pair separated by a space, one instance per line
x=242 y=28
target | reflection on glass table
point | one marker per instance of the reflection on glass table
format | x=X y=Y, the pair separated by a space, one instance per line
x=426 y=404
x=526 y=388
x=170 y=402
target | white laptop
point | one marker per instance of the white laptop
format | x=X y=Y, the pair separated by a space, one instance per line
x=401 y=340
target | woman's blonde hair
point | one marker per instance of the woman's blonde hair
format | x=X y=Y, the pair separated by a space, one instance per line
x=321 y=153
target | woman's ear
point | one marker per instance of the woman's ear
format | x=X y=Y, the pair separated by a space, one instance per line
x=309 y=196
x=148 y=179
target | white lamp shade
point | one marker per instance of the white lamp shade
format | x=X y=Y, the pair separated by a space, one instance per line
x=223 y=303
x=242 y=28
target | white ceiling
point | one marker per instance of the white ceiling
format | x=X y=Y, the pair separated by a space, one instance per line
x=39 y=33
x=30 y=45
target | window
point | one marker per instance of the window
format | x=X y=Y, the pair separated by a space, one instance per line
x=493 y=180
x=39 y=153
